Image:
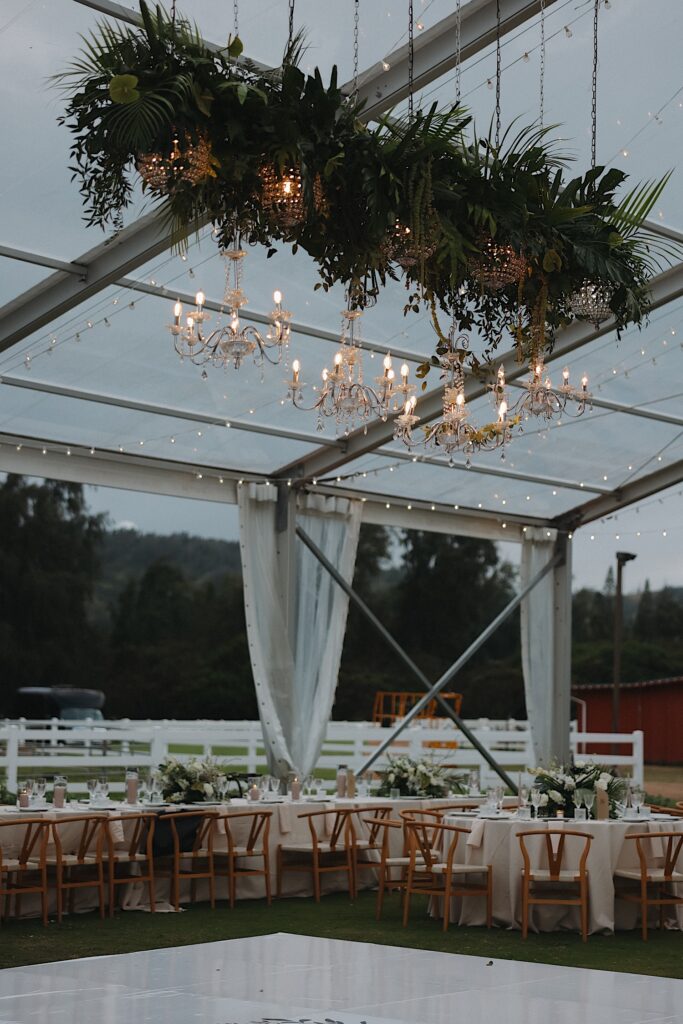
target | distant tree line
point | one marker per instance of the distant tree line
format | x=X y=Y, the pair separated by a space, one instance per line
x=157 y=622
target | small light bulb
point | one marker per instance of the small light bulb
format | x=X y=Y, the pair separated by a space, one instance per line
x=460 y=400
x=178 y=310
x=200 y=298
x=387 y=362
x=277 y=297
x=404 y=370
x=338 y=359
x=296 y=366
x=502 y=410
x=584 y=382
x=386 y=66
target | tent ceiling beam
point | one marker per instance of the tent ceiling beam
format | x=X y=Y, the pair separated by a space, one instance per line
x=392 y=505
x=154 y=409
x=211 y=419
x=386 y=83
x=496 y=471
x=665 y=288
x=164 y=292
x=120 y=13
x=631 y=492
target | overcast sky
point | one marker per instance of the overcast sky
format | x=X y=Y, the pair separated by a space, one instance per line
x=658 y=557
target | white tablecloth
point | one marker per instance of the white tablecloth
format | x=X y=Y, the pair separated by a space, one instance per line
x=285 y=827
x=495 y=842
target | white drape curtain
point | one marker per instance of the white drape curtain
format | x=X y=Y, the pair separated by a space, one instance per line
x=296 y=617
x=538 y=642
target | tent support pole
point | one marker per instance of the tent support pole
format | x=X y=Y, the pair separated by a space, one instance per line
x=432 y=691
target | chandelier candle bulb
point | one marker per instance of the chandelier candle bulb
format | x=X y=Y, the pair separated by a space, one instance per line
x=177 y=313
x=404 y=373
x=200 y=299
x=277 y=297
x=296 y=367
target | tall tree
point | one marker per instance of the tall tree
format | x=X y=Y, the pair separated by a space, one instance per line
x=48 y=564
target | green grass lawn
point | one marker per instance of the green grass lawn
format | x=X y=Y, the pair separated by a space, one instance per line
x=27 y=942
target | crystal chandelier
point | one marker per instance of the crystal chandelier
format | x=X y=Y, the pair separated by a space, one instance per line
x=540 y=399
x=231 y=342
x=283 y=198
x=185 y=161
x=591 y=302
x=496 y=265
x=344 y=395
x=402 y=248
x=453 y=432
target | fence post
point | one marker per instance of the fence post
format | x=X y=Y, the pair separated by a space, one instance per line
x=638 y=758
x=157 y=746
x=12 y=758
x=54 y=732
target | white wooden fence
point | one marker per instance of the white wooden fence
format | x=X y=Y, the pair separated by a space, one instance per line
x=81 y=749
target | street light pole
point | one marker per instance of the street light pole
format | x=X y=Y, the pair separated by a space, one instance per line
x=622 y=558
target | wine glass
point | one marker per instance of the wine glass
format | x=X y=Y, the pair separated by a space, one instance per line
x=221 y=786
x=103 y=789
x=91 y=786
x=589 y=800
x=535 y=800
x=274 y=784
x=143 y=787
x=638 y=797
x=40 y=788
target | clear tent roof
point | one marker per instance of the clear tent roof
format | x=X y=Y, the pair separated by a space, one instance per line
x=105 y=375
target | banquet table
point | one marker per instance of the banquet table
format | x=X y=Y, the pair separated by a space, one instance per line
x=495 y=841
x=285 y=827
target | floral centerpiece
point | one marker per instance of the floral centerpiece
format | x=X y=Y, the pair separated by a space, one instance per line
x=192 y=781
x=562 y=787
x=418 y=778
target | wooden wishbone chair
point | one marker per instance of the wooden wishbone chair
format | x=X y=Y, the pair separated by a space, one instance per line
x=191 y=857
x=17 y=866
x=554 y=874
x=432 y=870
x=388 y=862
x=135 y=855
x=78 y=857
x=338 y=849
x=256 y=845
x=369 y=844
x=663 y=877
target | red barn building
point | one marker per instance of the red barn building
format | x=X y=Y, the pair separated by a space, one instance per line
x=655 y=706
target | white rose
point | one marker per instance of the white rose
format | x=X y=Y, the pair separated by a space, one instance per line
x=580 y=765
x=602 y=784
x=556 y=797
x=569 y=783
x=544 y=800
x=208 y=789
x=605 y=777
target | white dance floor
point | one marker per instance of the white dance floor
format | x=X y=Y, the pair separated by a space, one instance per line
x=295 y=979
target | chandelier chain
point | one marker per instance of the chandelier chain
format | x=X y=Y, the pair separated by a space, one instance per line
x=356 y=6
x=594 y=88
x=541 y=99
x=498 y=74
x=411 y=57
x=290 y=36
x=458 y=44
x=235 y=17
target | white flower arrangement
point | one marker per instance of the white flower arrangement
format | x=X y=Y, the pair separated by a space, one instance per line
x=191 y=781
x=419 y=778
x=561 y=787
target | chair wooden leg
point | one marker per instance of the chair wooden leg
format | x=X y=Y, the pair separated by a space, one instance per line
x=112 y=889
x=525 y=908
x=380 y=892
x=212 y=884
x=17 y=905
x=406 y=903
x=101 y=889
x=316 y=877
x=152 y=889
x=266 y=875
x=447 y=901
x=489 y=897
x=643 y=909
x=584 y=912
x=43 y=895
x=60 y=894
x=231 y=881
x=351 y=872
x=278 y=872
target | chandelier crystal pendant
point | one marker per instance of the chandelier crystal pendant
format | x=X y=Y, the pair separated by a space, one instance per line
x=231 y=342
x=344 y=396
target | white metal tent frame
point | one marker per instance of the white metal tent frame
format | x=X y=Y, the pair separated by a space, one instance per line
x=113 y=261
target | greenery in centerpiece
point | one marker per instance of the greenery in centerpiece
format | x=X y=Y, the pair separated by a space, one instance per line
x=195 y=780
x=419 y=778
x=134 y=90
x=561 y=787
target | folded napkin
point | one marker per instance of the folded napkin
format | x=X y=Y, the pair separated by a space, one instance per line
x=476 y=835
x=286 y=818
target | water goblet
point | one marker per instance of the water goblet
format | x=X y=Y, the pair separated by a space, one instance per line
x=589 y=800
x=274 y=785
x=142 y=791
x=91 y=786
x=535 y=800
x=39 y=789
x=103 y=789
